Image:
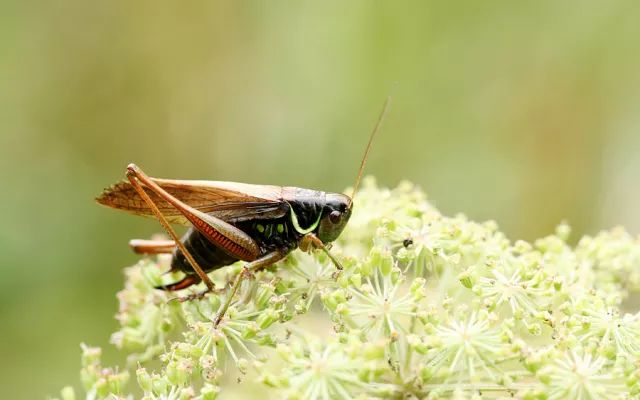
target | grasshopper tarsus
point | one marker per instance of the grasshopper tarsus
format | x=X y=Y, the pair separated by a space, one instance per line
x=194 y=296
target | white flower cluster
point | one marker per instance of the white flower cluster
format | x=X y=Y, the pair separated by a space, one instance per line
x=427 y=306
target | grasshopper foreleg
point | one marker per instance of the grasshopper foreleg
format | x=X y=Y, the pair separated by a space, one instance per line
x=311 y=241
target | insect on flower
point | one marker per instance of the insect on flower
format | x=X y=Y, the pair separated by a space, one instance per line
x=230 y=221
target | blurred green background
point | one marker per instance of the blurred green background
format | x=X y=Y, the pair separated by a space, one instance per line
x=524 y=112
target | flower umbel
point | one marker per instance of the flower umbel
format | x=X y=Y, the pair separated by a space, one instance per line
x=427 y=306
x=575 y=376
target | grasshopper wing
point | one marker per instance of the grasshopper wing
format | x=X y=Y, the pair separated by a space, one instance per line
x=229 y=201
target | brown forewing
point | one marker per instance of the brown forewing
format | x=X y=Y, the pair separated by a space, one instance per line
x=229 y=201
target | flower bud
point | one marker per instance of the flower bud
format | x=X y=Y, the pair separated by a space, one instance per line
x=209 y=392
x=465 y=279
x=144 y=379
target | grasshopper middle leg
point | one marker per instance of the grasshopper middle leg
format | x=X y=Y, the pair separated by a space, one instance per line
x=247 y=271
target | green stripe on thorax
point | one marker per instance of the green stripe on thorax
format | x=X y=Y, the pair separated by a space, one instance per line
x=296 y=224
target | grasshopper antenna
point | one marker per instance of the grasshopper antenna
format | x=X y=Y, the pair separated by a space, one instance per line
x=366 y=152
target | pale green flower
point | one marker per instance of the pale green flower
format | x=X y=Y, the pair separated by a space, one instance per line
x=520 y=293
x=333 y=370
x=575 y=377
x=472 y=353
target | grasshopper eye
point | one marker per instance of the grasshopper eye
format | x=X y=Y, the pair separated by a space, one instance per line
x=335 y=217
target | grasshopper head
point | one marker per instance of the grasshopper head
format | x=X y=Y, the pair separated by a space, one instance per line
x=335 y=215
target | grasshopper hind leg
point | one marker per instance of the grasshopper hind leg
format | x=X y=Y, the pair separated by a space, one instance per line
x=148 y=247
x=184 y=283
x=142 y=246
